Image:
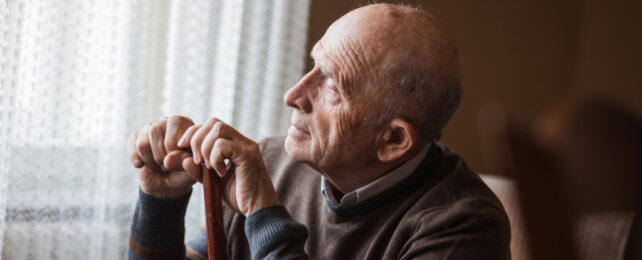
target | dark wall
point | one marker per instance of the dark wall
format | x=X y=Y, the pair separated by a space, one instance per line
x=524 y=55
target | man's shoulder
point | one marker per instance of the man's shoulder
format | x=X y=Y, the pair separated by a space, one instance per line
x=459 y=193
x=456 y=205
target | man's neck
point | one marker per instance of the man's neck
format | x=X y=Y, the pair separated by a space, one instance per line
x=346 y=181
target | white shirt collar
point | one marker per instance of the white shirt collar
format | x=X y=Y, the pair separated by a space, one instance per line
x=377 y=186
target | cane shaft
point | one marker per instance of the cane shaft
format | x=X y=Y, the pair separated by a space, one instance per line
x=213 y=215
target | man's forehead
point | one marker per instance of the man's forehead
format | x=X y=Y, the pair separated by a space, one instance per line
x=360 y=41
x=331 y=37
x=319 y=57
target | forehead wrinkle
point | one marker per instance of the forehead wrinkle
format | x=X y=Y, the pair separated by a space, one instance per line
x=359 y=57
x=353 y=62
x=351 y=57
x=326 y=62
x=327 y=59
x=343 y=54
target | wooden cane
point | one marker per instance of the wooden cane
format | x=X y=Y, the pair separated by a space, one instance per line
x=213 y=215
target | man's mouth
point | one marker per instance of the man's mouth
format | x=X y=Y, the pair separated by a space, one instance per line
x=297 y=131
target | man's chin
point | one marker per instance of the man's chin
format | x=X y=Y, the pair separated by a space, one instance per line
x=296 y=149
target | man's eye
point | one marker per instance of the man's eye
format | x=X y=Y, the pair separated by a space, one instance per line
x=332 y=86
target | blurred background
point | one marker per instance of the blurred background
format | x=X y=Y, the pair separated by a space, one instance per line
x=526 y=55
x=550 y=115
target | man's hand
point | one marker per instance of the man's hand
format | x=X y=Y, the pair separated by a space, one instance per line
x=247 y=184
x=153 y=150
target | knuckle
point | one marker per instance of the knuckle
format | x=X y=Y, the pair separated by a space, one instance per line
x=218 y=144
x=254 y=148
x=156 y=130
x=212 y=120
x=224 y=146
x=216 y=131
x=176 y=119
x=218 y=127
x=193 y=129
x=170 y=145
x=142 y=145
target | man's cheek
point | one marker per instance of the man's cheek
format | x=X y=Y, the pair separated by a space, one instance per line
x=344 y=123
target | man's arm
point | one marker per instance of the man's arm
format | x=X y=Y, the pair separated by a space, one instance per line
x=167 y=173
x=157 y=229
x=271 y=232
x=157 y=232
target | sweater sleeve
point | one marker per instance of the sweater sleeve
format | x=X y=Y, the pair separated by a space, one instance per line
x=157 y=230
x=466 y=230
x=273 y=234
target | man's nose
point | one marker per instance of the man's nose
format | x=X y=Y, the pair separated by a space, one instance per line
x=297 y=97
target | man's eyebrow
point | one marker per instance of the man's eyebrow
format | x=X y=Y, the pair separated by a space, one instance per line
x=324 y=70
x=314 y=50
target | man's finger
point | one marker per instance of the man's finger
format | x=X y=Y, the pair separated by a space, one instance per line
x=197 y=140
x=192 y=169
x=219 y=130
x=135 y=160
x=210 y=138
x=187 y=136
x=174 y=160
x=221 y=150
x=144 y=149
x=156 y=134
x=223 y=130
x=176 y=127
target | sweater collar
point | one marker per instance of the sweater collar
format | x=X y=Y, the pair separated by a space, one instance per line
x=375 y=187
x=409 y=184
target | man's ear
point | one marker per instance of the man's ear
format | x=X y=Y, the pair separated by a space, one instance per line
x=399 y=137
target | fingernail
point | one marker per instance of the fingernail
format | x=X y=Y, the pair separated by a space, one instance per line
x=182 y=141
x=207 y=164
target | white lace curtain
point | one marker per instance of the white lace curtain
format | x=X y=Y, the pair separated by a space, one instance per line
x=76 y=77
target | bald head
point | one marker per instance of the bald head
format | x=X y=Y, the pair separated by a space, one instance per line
x=384 y=83
x=408 y=61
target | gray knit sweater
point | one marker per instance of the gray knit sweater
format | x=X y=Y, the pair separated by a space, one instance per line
x=441 y=211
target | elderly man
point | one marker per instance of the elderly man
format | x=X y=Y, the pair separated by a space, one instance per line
x=360 y=174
